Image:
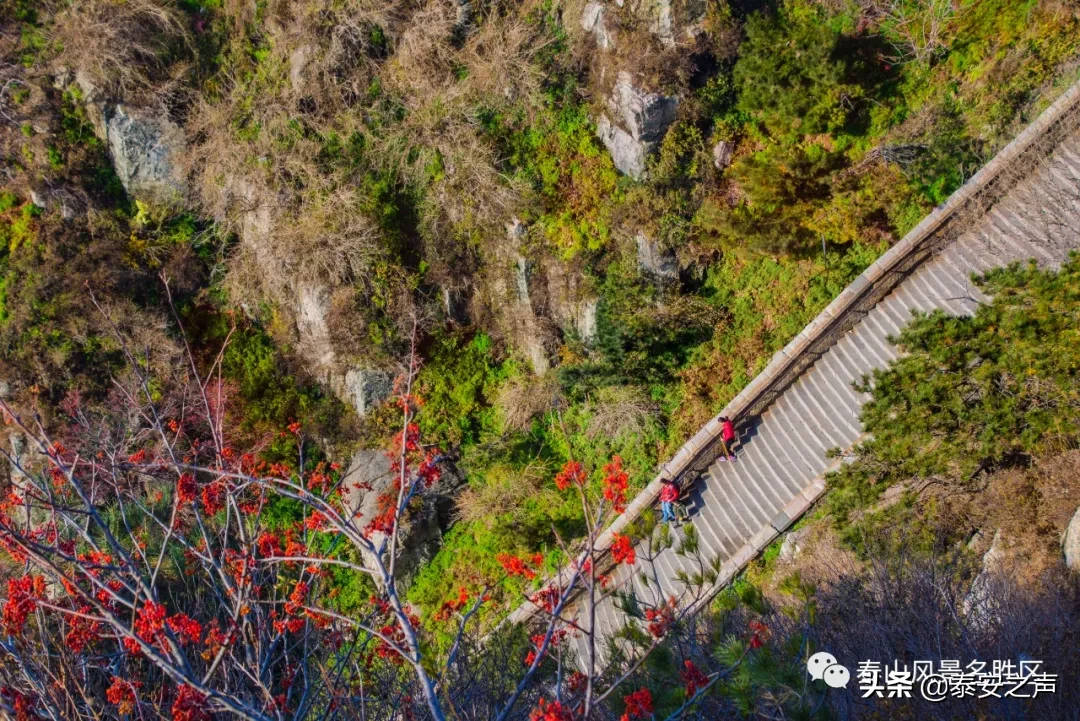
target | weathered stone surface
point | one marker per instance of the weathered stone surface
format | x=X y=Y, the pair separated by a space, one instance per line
x=585 y=320
x=527 y=329
x=365 y=389
x=312 y=308
x=537 y=353
x=655 y=260
x=145 y=148
x=661 y=23
x=456 y=304
x=982 y=587
x=646 y=116
x=369 y=477
x=144 y=145
x=721 y=154
x=298 y=65
x=668 y=21
x=522 y=270
x=515 y=230
x=1071 y=543
x=627 y=154
x=794 y=544
x=25 y=460
x=640 y=120
x=593 y=21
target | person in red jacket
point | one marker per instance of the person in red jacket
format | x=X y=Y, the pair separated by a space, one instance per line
x=669 y=493
x=727 y=438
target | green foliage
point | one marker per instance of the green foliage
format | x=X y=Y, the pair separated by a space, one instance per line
x=973 y=393
x=642 y=337
x=782 y=186
x=17 y=225
x=766 y=302
x=457 y=384
x=270 y=396
x=561 y=157
x=788 y=76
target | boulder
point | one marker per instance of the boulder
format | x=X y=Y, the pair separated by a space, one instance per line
x=145 y=145
x=593 y=21
x=1071 y=543
x=312 y=308
x=655 y=260
x=721 y=154
x=627 y=153
x=365 y=389
x=976 y=604
x=794 y=544
x=640 y=121
x=367 y=482
x=646 y=116
x=522 y=270
x=298 y=65
x=145 y=150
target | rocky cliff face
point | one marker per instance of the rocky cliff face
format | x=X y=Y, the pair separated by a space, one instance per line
x=636 y=118
x=637 y=124
x=1071 y=543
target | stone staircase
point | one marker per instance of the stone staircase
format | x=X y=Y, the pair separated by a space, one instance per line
x=739 y=508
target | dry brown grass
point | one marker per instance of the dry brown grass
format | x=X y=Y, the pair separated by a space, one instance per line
x=504 y=493
x=299 y=215
x=526 y=397
x=124 y=47
x=620 y=411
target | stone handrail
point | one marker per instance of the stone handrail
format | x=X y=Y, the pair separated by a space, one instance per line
x=936 y=230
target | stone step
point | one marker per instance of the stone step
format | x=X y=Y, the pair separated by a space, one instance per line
x=784 y=450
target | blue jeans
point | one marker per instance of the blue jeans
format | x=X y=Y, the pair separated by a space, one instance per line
x=668 y=511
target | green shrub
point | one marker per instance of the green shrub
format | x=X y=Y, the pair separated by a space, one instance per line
x=561 y=157
x=457 y=384
x=788 y=76
x=973 y=393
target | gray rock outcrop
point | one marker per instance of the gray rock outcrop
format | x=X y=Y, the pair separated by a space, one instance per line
x=721 y=154
x=145 y=149
x=584 y=317
x=528 y=330
x=639 y=122
x=593 y=20
x=793 y=545
x=312 y=309
x=368 y=480
x=145 y=145
x=361 y=388
x=655 y=260
x=978 y=603
x=365 y=389
x=667 y=21
x=299 y=61
x=1071 y=543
